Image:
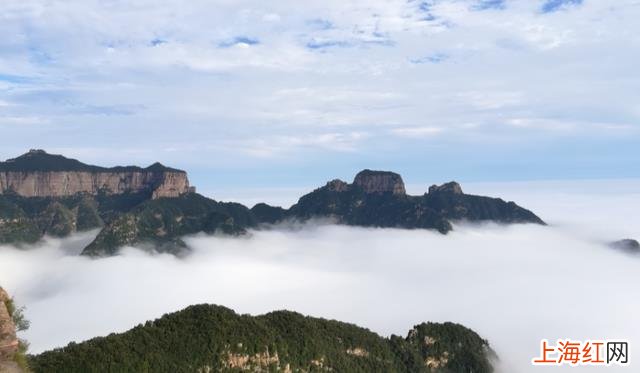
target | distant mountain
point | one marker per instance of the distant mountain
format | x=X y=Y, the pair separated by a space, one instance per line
x=207 y=338
x=378 y=199
x=40 y=174
x=628 y=245
x=43 y=194
x=162 y=222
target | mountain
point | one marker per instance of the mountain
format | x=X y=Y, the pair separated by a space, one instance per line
x=378 y=199
x=39 y=174
x=208 y=338
x=161 y=223
x=43 y=194
x=628 y=245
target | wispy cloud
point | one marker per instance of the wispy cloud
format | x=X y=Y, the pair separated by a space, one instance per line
x=242 y=41
x=554 y=5
x=433 y=58
x=489 y=4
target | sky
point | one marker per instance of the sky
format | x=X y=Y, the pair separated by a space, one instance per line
x=254 y=94
x=514 y=285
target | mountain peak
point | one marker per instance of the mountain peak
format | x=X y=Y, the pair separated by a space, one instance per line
x=372 y=181
x=450 y=187
x=35 y=151
x=40 y=160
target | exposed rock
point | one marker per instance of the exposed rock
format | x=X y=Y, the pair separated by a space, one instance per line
x=257 y=362
x=437 y=362
x=9 y=343
x=628 y=245
x=380 y=182
x=358 y=351
x=337 y=185
x=39 y=174
x=448 y=347
x=450 y=187
x=378 y=199
x=207 y=338
x=44 y=194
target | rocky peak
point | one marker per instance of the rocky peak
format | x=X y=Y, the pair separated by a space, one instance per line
x=337 y=185
x=380 y=182
x=450 y=187
x=33 y=152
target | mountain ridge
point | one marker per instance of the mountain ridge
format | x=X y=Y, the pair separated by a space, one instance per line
x=40 y=160
x=159 y=213
x=40 y=174
x=208 y=338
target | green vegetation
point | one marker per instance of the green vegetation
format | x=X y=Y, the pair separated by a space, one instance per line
x=431 y=211
x=21 y=324
x=161 y=222
x=374 y=199
x=39 y=160
x=17 y=314
x=207 y=338
x=26 y=220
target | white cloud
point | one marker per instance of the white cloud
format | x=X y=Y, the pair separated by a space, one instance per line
x=503 y=64
x=419 y=131
x=559 y=281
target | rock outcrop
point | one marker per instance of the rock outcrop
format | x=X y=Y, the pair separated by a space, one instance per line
x=380 y=182
x=450 y=187
x=39 y=174
x=337 y=185
x=9 y=343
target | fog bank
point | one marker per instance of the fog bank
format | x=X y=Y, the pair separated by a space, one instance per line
x=514 y=285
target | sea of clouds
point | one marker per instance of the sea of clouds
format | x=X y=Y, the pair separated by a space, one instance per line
x=514 y=285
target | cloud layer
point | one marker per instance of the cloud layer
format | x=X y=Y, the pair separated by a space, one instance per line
x=514 y=285
x=549 y=85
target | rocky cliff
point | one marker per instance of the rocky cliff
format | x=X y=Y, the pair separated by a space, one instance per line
x=380 y=182
x=39 y=174
x=9 y=343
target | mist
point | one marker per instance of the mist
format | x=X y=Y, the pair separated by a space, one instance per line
x=514 y=285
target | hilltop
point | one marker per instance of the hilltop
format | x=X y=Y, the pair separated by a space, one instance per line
x=209 y=338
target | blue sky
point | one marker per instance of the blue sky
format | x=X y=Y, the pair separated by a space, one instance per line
x=256 y=94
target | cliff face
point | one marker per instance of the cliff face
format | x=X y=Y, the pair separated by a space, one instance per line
x=32 y=176
x=380 y=182
x=8 y=341
x=68 y=183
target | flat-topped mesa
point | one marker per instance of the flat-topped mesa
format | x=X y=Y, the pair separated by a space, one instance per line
x=450 y=187
x=380 y=182
x=39 y=174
